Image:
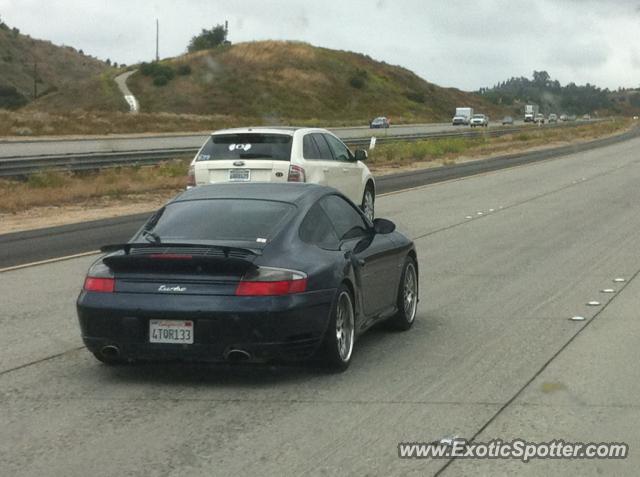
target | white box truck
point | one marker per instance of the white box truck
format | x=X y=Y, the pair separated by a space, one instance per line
x=462 y=116
x=530 y=111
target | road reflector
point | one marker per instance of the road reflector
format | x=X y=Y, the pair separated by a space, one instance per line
x=480 y=213
x=469 y=217
x=577 y=318
x=618 y=280
x=608 y=290
x=593 y=303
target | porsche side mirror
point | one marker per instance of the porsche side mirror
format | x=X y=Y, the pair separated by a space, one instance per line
x=383 y=226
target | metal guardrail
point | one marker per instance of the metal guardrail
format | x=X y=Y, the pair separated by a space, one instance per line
x=25 y=165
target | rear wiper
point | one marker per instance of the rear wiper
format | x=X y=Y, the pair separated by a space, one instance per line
x=151 y=237
x=255 y=156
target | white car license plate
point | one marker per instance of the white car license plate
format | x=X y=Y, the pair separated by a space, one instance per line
x=239 y=175
x=171 y=331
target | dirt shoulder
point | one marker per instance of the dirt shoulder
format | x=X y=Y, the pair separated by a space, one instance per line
x=105 y=208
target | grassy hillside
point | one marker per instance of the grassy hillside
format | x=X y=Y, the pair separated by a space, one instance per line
x=275 y=80
x=65 y=79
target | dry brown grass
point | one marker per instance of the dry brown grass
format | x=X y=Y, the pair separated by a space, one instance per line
x=272 y=51
x=34 y=123
x=59 y=188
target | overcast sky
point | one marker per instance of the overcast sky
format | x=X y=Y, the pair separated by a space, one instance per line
x=461 y=43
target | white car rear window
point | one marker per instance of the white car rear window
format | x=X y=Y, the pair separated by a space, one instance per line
x=247 y=146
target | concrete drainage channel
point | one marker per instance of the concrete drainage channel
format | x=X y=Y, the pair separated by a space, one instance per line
x=121 y=81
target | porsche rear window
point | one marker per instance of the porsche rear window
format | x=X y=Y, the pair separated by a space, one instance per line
x=220 y=219
x=276 y=147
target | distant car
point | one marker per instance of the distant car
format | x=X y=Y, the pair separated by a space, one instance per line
x=249 y=272
x=586 y=117
x=507 y=120
x=380 y=122
x=539 y=118
x=284 y=155
x=553 y=118
x=564 y=117
x=479 y=120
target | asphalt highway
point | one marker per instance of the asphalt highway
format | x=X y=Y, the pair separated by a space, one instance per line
x=37 y=147
x=506 y=258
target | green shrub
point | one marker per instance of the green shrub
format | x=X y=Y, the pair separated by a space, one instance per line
x=156 y=69
x=415 y=96
x=41 y=180
x=11 y=98
x=160 y=80
x=184 y=70
x=359 y=79
x=175 y=168
x=356 y=82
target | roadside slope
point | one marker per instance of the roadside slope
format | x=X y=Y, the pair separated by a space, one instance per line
x=277 y=79
x=64 y=78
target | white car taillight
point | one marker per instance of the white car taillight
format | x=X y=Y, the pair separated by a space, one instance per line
x=296 y=174
x=191 y=177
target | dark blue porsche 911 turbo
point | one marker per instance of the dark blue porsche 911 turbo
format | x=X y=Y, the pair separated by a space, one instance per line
x=254 y=272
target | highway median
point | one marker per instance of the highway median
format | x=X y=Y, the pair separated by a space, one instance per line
x=52 y=198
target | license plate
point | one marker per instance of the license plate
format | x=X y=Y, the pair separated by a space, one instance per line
x=171 y=331
x=239 y=175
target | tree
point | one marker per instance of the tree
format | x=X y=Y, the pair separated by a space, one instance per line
x=208 y=39
x=540 y=77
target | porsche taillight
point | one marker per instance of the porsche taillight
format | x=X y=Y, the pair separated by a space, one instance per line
x=100 y=285
x=100 y=279
x=266 y=281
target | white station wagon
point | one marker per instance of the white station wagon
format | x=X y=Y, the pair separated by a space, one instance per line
x=265 y=154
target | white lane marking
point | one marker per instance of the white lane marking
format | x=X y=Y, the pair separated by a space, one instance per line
x=479 y=213
x=618 y=280
x=577 y=318
x=608 y=290
x=469 y=217
x=593 y=303
x=50 y=260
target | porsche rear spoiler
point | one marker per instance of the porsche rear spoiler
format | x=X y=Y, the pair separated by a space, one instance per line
x=226 y=249
x=179 y=256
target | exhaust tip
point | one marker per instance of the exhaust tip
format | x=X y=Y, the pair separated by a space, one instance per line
x=110 y=351
x=237 y=355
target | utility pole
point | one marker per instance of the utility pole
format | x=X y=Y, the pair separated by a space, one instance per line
x=157 y=40
x=35 y=79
